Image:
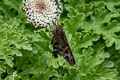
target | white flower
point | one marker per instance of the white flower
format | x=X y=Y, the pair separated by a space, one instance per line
x=42 y=12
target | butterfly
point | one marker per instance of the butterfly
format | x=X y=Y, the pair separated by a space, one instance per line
x=61 y=45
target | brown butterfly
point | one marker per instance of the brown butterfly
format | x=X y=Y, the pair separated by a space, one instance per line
x=61 y=46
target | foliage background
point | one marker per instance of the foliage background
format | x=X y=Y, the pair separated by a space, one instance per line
x=93 y=32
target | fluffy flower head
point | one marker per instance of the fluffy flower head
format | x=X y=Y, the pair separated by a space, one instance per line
x=42 y=12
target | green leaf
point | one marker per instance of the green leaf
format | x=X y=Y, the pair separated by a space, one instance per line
x=73 y=24
x=12 y=3
x=14 y=76
x=83 y=40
